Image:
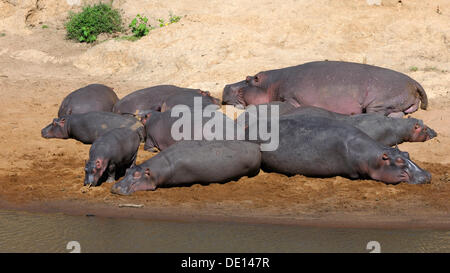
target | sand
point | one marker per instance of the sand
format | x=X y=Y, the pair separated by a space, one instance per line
x=216 y=43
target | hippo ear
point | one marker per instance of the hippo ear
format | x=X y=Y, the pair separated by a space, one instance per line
x=385 y=156
x=164 y=107
x=98 y=164
x=147 y=172
x=61 y=122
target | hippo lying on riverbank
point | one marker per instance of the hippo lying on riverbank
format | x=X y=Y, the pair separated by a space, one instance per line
x=110 y=155
x=94 y=97
x=342 y=87
x=386 y=130
x=153 y=98
x=88 y=127
x=159 y=125
x=189 y=162
x=322 y=147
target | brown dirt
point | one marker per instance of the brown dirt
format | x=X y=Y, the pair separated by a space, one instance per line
x=213 y=44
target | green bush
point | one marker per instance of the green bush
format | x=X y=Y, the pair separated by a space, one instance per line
x=92 y=21
x=139 y=26
x=174 y=18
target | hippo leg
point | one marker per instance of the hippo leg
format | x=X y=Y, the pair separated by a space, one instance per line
x=293 y=102
x=111 y=173
x=396 y=115
x=413 y=108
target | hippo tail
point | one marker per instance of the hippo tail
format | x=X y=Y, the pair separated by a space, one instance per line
x=423 y=96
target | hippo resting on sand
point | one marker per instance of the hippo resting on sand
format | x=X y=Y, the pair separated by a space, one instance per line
x=342 y=87
x=322 y=147
x=110 y=155
x=188 y=162
x=94 y=97
x=88 y=127
x=153 y=98
x=159 y=126
x=386 y=130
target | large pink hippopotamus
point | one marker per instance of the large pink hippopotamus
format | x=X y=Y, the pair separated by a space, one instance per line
x=342 y=87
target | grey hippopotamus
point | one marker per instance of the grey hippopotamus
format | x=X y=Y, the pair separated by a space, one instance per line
x=88 y=127
x=159 y=126
x=342 y=87
x=322 y=147
x=94 y=97
x=189 y=162
x=110 y=155
x=189 y=99
x=386 y=130
x=153 y=98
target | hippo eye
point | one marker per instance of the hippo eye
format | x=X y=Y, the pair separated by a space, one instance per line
x=256 y=79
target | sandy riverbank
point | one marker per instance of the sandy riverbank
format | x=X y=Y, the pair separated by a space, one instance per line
x=215 y=44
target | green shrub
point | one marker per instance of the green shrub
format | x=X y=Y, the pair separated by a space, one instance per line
x=139 y=26
x=161 y=22
x=174 y=18
x=413 y=68
x=92 y=21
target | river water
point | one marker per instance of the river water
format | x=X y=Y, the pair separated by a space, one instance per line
x=30 y=232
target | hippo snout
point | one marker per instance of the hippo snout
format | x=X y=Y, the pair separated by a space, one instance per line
x=121 y=189
x=424 y=177
x=44 y=132
x=89 y=180
x=431 y=133
x=416 y=174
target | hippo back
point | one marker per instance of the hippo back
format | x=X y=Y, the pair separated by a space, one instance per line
x=94 y=97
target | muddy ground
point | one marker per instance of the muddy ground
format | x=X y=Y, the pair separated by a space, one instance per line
x=214 y=44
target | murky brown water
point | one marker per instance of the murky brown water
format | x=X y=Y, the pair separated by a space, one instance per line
x=25 y=232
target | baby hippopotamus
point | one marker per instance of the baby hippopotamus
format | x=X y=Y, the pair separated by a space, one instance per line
x=94 y=97
x=322 y=147
x=189 y=162
x=89 y=126
x=110 y=155
x=386 y=130
x=342 y=87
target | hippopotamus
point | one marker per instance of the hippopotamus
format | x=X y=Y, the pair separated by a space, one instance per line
x=253 y=112
x=110 y=155
x=188 y=98
x=159 y=126
x=242 y=94
x=87 y=127
x=342 y=87
x=188 y=162
x=153 y=98
x=94 y=97
x=323 y=147
x=386 y=130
